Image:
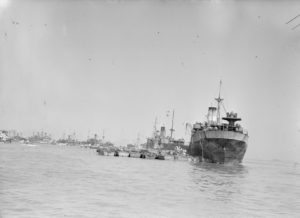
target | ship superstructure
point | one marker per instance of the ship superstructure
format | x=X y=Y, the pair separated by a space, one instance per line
x=160 y=140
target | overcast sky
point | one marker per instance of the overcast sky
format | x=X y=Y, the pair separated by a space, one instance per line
x=89 y=66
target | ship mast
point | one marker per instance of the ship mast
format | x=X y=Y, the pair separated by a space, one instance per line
x=138 y=140
x=154 y=128
x=219 y=100
x=103 y=135
x=172 y=129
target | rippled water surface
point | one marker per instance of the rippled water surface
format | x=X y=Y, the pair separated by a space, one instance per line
x=63 y=181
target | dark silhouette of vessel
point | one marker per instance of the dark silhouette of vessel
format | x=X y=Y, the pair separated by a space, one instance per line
x=217 y=142
x=159 y=157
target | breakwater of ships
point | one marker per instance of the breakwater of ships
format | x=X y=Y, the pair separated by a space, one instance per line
x=108 y=149
x=152 y=149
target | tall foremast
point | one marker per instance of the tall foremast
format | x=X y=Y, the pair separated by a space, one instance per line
x=219 y=100
x=154 y=128
x=172 y=127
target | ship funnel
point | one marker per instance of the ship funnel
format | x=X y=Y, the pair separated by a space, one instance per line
x=162 y=132
x=212 y=116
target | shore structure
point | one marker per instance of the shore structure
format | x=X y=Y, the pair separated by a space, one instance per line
x=217 y=142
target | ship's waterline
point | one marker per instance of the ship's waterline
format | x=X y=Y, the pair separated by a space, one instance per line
x=219 y=150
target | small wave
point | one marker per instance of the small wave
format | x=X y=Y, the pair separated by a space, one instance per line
x=31 y=145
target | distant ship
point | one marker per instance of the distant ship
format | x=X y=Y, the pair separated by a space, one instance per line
x=40 y=138
x=159 y=140
x=217 y=142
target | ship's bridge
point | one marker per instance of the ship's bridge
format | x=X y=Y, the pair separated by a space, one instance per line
x=231 y=118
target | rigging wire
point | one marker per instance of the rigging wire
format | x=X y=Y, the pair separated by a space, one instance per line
x=296 y=26
x=224 y=107
x=293 y=19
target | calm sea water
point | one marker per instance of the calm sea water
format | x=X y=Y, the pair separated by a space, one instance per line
x=62 y=181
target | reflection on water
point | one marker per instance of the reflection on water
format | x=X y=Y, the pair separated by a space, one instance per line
x=217 y=181
x=62 y=181
x=224 y=169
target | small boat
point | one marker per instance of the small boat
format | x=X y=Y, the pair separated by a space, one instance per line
x=134 y=155
x=100 y=151
x=159 y=157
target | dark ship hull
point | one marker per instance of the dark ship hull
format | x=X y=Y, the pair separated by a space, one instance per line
x=218 y=146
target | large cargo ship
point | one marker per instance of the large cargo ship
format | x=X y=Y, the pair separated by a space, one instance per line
x=217 y=142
